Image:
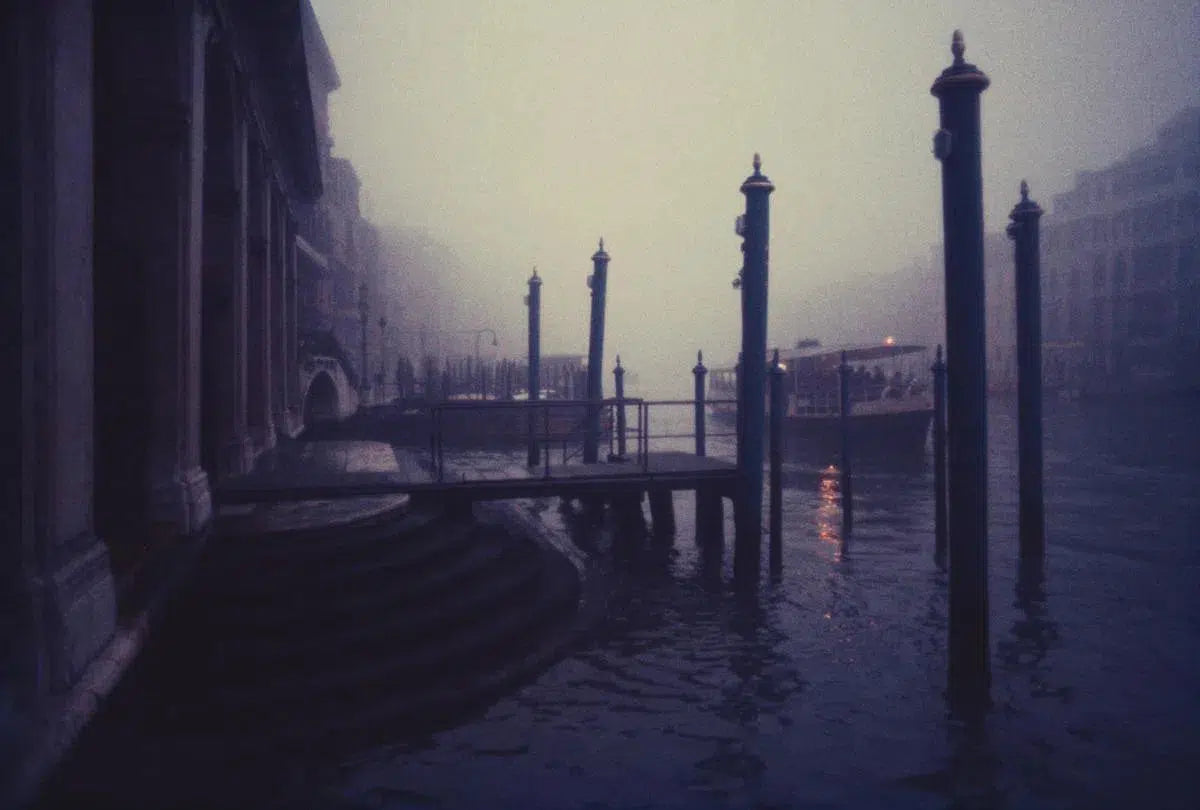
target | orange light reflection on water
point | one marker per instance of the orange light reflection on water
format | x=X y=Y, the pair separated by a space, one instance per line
x=829 y=511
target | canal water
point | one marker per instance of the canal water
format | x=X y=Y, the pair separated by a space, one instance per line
x=827 y=690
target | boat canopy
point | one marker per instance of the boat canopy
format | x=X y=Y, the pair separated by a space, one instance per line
x=826 y=358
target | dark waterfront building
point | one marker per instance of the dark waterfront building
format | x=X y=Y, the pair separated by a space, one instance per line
x=1120 y=275
x=163 y=161
x=339 y=267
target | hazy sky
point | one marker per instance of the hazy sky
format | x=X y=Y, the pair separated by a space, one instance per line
x=519 y=132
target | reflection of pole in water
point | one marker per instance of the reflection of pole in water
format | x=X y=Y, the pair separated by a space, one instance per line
x=1033 y=634
x=847 y=481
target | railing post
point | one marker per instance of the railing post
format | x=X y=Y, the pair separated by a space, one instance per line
x=939 y=458
x=755 y=231
x=957 y=146
x=441 y=445
x=433 y=440
x=1023 y=230
x=775 y=553
x=619 y=382
x=700 y=371
x=546 y=443
x=534 y=302
x=598 y=282
x=847 y=478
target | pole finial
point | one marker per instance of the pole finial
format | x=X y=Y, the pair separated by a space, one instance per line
x=957 y=47
x=601 y=244
x=1024 y=191
x=699 y=356
x=757 y=163
x=618 y=361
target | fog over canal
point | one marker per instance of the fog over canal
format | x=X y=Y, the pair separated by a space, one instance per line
x=516 y=134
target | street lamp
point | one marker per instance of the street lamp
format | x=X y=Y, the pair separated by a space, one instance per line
x=478 y=333
x=383 y=322
x=363 y=307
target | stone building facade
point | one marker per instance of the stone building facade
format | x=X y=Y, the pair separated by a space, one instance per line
x=163 y=156
x=340 y=267
x=1120 y=273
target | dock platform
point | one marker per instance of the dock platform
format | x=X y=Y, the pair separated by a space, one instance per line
x=467 y=479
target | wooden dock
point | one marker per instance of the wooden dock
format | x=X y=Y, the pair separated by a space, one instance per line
x=662 y=471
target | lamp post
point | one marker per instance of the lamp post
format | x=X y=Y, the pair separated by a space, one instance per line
x=478 y=333
x=383 y=322
x=363 y=309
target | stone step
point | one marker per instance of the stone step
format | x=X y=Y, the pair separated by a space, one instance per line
x=408 y=714
x=405 y=558
x=301 y=549
x=452 y=661
x=494 y=581
x=305 y=520
x=296 y=615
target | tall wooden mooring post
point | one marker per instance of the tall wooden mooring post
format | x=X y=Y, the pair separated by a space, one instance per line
x=755 y=231
x=957 y=145
x=598 y=282
x=534 y=302
x=1023 y=230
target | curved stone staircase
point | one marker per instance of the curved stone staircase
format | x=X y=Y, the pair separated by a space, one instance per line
x=304 y=643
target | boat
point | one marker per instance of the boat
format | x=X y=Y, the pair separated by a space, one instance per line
x=891 y=400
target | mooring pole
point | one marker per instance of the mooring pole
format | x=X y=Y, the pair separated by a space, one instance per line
x=939 y=458
x=957 y=146
x=619 y=384
x=534 y=302
x=845 y=409
x=1023 y=230
x=699 y=372
x=747 y=559
x=775 y=553
x=598 y=281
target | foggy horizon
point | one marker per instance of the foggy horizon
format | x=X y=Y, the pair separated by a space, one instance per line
x=518 y=135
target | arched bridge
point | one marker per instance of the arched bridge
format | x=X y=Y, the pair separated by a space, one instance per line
x=328 y=394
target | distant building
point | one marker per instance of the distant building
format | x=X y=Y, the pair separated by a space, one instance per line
x=339 y=256
x=1120 y=274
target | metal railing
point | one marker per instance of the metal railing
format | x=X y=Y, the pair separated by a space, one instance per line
x=549 y=423
x=552 y=424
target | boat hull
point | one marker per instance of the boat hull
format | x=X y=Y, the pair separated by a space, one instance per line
x=897 y=436
x=893 y=437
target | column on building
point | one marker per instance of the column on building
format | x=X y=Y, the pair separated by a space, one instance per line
x=280 y=254
x=225 y=444
x=150 y=85
x=58 y=601
x=258 y=343
x=292 y=345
